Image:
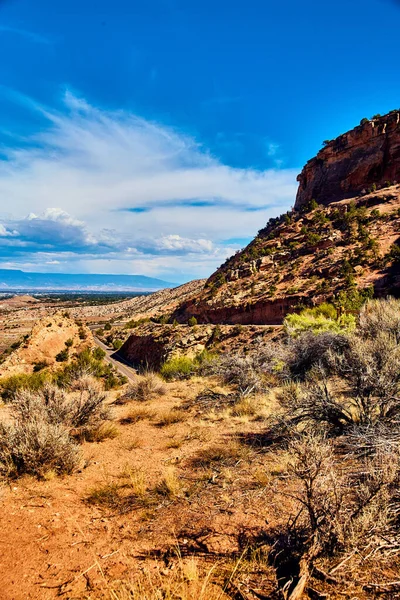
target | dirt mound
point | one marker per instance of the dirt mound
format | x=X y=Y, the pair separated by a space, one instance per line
x=50 y=336
x=17 y=302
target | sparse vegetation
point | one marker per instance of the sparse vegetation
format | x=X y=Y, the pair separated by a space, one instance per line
x=147 y=387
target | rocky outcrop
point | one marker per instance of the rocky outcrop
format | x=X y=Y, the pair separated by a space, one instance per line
x=365 y=157
x=263 y=312
x=152 y=344
x=305 y=258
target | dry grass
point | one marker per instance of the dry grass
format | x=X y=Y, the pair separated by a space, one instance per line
x=104 y=431
x=107 y=494
x=175 y=443
x=170 y=486
x=170 y=417
x=188 y=581
x=227 y=454
x=136 y=414
x=187 y=578
x=134 y=490
x=135 y=442
x=256 y=407
x=136 y=481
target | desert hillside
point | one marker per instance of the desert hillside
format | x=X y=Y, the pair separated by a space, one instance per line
x=330 y=247
x=230 y=439
x=52 y=340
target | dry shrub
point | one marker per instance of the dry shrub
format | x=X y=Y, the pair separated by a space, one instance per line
x=55 y=406
x=36 y=447
x=45 y=421
x=148 y=387
x=341 y=506
x=371 y=368
x=378 y=316
x=312 y=405
x=244 y=372
x=84 y=382
x=312 y=352
x=88 y=408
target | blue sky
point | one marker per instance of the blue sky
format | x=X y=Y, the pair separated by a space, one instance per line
x=158 y=136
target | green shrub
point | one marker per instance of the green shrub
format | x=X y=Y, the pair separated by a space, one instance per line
x=98 y=353
x=192 y=321
x=313 y=238
x=313 y=204
x=9 y=386
x=117 y=344
x=62 y=356
x=307 y=320
x=352 y=300
x=40 y=365
x=178 y=367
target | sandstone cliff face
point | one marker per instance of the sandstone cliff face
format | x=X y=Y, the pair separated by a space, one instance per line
x=368 y=154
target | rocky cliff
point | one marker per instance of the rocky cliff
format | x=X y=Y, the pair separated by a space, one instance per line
x=366 y=157
x=305 y=257
x=343 y=245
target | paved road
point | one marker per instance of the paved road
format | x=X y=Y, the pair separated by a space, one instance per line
x=116 y=361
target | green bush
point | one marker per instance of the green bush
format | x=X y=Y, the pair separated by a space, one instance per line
x=9 y=386
x=192 y=321
x=40 y=365
x=313 y=238
x=183 y=367
x=98 y=353
x=117 y=344
x=62 y=356
x=307 y=320
x=178 y=367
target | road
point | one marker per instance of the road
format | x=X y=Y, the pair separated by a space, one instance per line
x=116 y=362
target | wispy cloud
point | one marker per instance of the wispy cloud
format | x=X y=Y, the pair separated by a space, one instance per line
x=30 y=35
x=139 y=193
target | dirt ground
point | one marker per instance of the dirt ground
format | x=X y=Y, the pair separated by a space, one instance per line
x=54 y=542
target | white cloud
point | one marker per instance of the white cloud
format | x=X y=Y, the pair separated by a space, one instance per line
x=95 y=165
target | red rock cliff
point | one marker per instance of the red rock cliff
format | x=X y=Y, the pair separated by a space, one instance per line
x=368 y=154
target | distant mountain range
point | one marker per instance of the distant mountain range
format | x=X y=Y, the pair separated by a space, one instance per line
x=19 y=280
